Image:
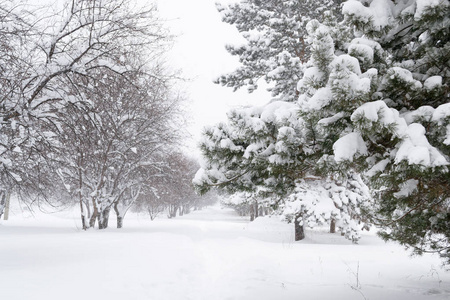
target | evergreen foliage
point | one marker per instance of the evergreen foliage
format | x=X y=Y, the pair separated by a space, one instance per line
x=372 y=109
x=275 y=45
x=406 y=129
x=381 y=108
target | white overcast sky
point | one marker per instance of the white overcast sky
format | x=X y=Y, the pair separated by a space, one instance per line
x=199 y=51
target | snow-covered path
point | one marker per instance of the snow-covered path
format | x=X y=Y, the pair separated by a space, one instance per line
x=209 y=254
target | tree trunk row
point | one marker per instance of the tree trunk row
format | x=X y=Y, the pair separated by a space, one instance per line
x=299 y=230
x=254 y=210
x=172 y=213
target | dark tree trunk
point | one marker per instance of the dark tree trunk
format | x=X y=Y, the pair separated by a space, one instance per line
x=118 y=215
x=83 y=221
x=80 y=197
x=106 y=217
x=255 y=208
x=103 y=218
x=83 y=216
x=152 y=213
x=251 y=208
x=8 y=201
x=2 y=204
x=299 y=230
x=333 y=226
x=172 y=211
x=99 y=221
x=93 y=217
x=88 y=210
x=169 y=214
x=119 y=222
x=261 y=211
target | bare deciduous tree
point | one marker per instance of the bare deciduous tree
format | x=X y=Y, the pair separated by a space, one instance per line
x=74 y=78
x=117 y=141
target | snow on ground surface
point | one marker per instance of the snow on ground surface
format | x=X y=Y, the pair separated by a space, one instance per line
x=208 y=254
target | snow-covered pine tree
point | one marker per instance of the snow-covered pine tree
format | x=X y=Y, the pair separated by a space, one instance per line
x=274 y=150
x=263 y=153
x=378 y=102
x=253 y=151
x=255 y=155
x=275 y=47
x=407 y=129
x=317 y=201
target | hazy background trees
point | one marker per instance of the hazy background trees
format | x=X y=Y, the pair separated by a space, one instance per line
x=170 y=189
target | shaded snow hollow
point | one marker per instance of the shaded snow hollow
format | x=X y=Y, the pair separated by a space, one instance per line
x=209 y=254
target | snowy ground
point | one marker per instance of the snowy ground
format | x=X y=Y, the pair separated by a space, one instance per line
x=209 y=254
